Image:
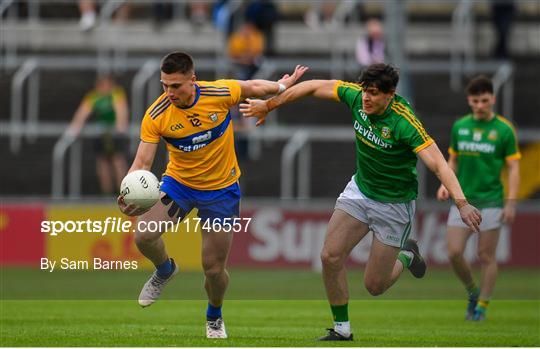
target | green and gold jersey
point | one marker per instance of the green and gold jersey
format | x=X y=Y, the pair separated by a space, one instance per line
x=482 y=147
x=103 y=105
x=386 y=146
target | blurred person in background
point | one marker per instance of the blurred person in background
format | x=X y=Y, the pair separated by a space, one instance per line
x=481 y=143
x=199 y=13
x=193 y=117
x=162 y=13
x=503 y=12
x=88 y=11
x=108 y=103
x=264 y=14
x=370 y=49
x=380 y=197
x=87 y=8
x=320 y=13
x=245 y=48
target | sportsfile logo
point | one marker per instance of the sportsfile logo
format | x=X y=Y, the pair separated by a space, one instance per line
x=113 y=225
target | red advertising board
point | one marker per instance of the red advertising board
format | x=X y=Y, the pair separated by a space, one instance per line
x=279 y=237
x=21 y=240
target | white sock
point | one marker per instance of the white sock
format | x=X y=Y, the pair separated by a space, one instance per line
x=408 y=254
x=343 y=328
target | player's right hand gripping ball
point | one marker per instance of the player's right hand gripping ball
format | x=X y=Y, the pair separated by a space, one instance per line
x=140 y=188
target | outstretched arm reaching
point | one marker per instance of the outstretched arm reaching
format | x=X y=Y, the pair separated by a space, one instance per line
x=260 y=108
x=261 y=88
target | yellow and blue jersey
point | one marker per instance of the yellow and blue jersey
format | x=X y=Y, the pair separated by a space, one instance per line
x=199 y=137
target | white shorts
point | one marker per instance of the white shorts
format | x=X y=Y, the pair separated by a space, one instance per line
x=390 y=222
x=491 y=218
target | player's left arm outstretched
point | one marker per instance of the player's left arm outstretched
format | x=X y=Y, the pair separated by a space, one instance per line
x=261 y=88
x=260 y=108
x=434 y=160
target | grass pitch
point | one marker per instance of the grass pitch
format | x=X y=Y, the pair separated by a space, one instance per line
x=264 y=323
x=258 y=311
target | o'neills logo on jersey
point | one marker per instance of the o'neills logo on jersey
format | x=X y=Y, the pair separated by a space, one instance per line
x=476 y=147
x=362 y=114
x=368 y=136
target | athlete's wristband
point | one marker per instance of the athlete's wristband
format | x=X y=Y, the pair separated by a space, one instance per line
x=271 y=104
x=281 y=89
x=461 y=202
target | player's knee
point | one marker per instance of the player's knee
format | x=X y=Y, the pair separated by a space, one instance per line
x=454 y=254
x=330 y=259
x=486 y=257
x=375 y=287
x=213 y=269
x=144 y=239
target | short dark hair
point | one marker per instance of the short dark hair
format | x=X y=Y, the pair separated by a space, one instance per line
x=177 y=62
x=479 y=85
x=382 y=76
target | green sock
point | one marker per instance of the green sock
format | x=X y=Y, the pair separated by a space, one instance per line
x=340 y=312
x=405 y=257
x=482 y=305
x=472 y=290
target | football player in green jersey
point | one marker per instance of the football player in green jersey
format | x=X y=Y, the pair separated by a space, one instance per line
x=381 y=195
x=108 y=104
x=481 y=143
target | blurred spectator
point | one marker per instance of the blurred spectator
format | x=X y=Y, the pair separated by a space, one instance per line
x=321 y=12
x=227 y=16
x=503 y=15
x=88 y=11
x=87 y=8
x=198 y=13
x=370 y=50
x=107 y=101
x=245 y=49
x=222 y=17
x=162 y=13
x=264 y=14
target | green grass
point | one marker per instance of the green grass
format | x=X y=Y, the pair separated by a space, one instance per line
x=264 y=323
x=263 y=308
x=16 y=284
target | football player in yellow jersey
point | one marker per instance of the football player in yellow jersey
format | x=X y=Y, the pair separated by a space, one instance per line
x=193 y=119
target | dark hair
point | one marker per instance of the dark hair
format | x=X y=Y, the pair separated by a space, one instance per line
x=105 y=76
x=382 y=76
x=177 y=62
x=479 y=85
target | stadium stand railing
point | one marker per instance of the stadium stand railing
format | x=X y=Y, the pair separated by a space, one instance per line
x=25 y=40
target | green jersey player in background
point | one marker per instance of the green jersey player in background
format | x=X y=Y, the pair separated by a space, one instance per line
x=481 y=143
x=381 y=195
